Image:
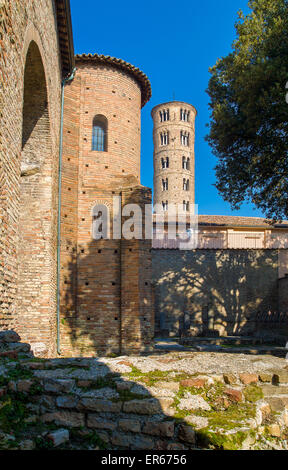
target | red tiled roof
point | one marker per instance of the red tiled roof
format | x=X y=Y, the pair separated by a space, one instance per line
x=236 y=221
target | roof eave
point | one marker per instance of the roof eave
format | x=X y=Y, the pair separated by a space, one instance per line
x=65 y=35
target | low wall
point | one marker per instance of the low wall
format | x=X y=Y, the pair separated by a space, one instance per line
x=153 y=403
x=232 y=291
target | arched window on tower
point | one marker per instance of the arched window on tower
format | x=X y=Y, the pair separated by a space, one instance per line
x=165 y=162
x=99 y=133
x=165 y=184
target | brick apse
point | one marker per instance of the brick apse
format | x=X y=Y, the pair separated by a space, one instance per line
x=105 y=285
x=106 y=296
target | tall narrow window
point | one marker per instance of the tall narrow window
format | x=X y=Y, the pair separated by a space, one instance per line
x=165 y=162
x=185 y=206
x=165 y=205
x=99 y=133
x=164 y=115
x=184 y=163
x=164 y=138
x=165 y=184
x=188 y=164
x=184 y=138
x=185 y=184
x=184 y=115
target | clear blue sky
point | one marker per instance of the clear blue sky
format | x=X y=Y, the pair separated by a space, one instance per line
x=174 y=43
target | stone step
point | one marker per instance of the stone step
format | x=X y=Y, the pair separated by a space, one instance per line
x=272 y=350
x=274 y=390
x=173 y=345
x=234 y=340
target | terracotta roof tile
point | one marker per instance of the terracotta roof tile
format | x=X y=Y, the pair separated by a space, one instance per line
x=236 y=221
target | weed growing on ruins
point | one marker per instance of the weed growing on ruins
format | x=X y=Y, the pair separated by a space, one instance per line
x=253 y=393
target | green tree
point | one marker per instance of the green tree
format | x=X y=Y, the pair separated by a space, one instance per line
x=249 y=112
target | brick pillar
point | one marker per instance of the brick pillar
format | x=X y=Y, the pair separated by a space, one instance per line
x=137 y=315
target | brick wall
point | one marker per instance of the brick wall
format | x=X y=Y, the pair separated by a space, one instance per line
x=102 y=296
x=222 y=289
x=28 y=275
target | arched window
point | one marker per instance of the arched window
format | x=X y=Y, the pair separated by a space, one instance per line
x=165 y=184
x=165 y=162
x=99 y=133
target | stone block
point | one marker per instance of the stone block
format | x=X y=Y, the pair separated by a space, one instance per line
x=248 y=379
x=198 y=383
x=280 y=377
x=164 y=429
x=265 y=377
x=93 y=421
x=195 y=402
x=172 y=386
x=58 y=437
x=84 y=383
x=121 y=440
x=19 y=347
x=274 y=430
x=234 y=395
x=143 y=407
x=58 y=385
x=186 y=434
x=198 y=422
x=142 y=443
x=67 y=401
x=131 y=425
x=96 y=404
x=28 y=444
x=47 y=402
x=230 y=379
x=123 y=385
x=9 y=336
x=24 y=385
x=65 y=418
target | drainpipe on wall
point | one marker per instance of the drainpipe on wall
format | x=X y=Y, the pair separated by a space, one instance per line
x=64 y=81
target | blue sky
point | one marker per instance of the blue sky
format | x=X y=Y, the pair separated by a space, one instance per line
x=174 y=44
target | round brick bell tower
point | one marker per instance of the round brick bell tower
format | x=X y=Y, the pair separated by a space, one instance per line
x=174 y=159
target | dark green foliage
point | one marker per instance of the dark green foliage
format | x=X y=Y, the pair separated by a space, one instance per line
x=249 y=119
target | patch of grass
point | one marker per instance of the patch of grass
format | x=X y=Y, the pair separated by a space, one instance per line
x=43 y=444
x=12 y=414
x=149 y=378
x=87 y=440
x=19 y=373
x=112 y=355
x=3 y=381
x=36 y=389
x=206 y=438
x=253 y=393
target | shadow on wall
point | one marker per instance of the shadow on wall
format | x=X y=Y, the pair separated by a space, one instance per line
x=107 y=295
x=232 y=292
